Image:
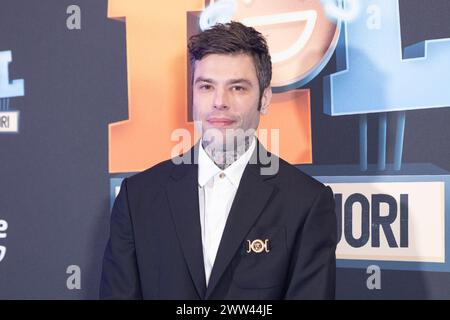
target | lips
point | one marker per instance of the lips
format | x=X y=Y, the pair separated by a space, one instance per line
x=220 y=122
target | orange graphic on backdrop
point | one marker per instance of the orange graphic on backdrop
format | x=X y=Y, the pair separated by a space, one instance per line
x=157 y=84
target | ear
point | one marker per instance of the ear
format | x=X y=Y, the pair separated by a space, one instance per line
x=265 y=100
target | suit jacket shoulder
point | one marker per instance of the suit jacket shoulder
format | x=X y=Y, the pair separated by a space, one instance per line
x=292 y=178
x=156 y=175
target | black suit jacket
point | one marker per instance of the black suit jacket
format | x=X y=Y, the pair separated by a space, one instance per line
x=155 y=246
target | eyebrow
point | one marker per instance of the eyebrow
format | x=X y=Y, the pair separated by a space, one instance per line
x=201 y=79
x=240 y=81
x=232 y=81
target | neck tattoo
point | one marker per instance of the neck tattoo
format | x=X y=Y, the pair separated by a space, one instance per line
x=224 y=158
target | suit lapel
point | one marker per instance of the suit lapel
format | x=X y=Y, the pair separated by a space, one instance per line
x=251 y=197
x=182 y=193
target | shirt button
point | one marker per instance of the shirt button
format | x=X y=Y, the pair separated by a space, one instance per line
x=221 y=175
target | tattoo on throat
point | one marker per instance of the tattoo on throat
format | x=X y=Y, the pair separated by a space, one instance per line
x=224 y=158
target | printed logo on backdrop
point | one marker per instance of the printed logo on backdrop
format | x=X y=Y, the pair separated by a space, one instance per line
x=3 y=234
x=391 y=215
x=297 y=31
x=394 y=215
x=9 y=118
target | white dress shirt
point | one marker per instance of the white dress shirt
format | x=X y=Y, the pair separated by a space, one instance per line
x=216 y=191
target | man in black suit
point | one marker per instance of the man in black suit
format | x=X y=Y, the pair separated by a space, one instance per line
x=226 y=220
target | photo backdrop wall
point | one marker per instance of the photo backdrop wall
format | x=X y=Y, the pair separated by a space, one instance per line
x=92 y=90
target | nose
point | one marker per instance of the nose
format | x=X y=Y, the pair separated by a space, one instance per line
x=221 y=100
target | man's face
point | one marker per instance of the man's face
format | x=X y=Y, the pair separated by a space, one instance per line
x=226 y=98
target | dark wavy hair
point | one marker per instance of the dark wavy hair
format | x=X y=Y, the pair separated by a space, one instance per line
x=234 y=38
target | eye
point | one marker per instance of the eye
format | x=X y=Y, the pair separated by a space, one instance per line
x=238 y=88
x=205 y=87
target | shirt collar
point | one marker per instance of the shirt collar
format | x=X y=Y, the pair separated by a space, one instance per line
x=208 y=169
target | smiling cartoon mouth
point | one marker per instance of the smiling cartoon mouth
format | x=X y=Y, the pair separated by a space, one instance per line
x=310 y=16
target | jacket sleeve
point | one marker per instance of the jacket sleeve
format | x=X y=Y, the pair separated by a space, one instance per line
x=312 y=272
x=120 y=277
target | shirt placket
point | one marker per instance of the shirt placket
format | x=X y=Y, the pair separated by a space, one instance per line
x=215 y=212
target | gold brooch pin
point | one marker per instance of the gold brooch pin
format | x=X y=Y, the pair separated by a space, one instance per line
x=258 y=246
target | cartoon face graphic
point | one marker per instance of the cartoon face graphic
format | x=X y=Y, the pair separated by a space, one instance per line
x=300 y=35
